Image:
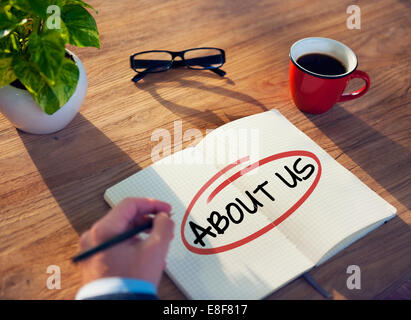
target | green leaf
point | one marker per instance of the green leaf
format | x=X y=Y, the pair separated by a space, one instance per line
x=81 y=26
x=62 y=30
x=23 y=5
x=28 y=74
x=36 y=85
x=6 y=47
x=78 y=2
x=66 y=82
x=49 y=98
x=37 y=7
x=47 y=52
x=7 y=74
x=8 y=24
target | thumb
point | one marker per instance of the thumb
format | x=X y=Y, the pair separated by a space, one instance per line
x=163 y=229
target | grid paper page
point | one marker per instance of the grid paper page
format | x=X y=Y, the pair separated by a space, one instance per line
x=244 y=273
x=340 y=205
x=338 y=211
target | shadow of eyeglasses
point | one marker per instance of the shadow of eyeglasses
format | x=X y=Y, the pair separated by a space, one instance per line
x=189 y=79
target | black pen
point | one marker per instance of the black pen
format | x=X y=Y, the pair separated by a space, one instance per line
x=113 y=241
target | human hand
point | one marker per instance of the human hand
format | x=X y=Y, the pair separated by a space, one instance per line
x=133 y=258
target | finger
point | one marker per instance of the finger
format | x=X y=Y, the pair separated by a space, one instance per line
x=148 y=218
x=163 y=230
x=85 y=242
x=127 y=214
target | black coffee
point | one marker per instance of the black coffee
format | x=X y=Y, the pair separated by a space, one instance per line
x=322 y=64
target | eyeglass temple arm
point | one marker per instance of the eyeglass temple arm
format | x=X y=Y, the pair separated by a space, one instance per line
x=138 y=76
x=141 y=75
x=205 y=60
x=219 y=71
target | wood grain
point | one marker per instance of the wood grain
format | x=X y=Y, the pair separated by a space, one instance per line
x=51 y=186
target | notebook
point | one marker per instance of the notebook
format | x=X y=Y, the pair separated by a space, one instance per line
x=256 y=204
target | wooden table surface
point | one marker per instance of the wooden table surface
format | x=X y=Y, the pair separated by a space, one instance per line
x=51 y=186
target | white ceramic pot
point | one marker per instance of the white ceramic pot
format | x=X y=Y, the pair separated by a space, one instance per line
x=24 y=113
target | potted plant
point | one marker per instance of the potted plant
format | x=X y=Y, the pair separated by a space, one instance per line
x=42 y=84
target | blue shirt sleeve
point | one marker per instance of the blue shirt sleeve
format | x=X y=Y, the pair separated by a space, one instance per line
x=115 y=285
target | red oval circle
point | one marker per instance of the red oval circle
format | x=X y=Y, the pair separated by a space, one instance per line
x=237 y=175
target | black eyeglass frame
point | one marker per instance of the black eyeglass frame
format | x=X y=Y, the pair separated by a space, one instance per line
x=175 y=64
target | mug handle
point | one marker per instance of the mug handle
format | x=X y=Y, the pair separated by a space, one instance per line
x=360 y=92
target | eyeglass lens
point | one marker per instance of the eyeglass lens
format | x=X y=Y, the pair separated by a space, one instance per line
x=154 y=61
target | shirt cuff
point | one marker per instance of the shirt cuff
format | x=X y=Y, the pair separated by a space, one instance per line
x=114 y=285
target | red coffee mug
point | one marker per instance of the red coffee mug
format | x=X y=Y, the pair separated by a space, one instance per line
x=317 y=93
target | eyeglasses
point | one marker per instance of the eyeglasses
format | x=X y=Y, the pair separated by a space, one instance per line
x=161 y=60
